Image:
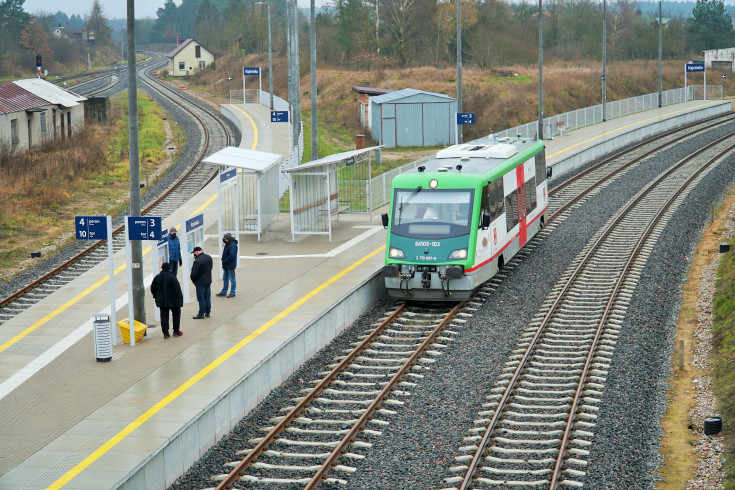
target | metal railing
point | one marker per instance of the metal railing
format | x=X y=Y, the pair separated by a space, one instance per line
x=557 y=125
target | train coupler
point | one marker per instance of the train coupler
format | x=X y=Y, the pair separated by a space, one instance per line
x=426 y=280
x=405 y=290
x=445 y=286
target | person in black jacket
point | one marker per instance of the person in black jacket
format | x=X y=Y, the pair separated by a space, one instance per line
x=166 y=290
x=201 y=276
x=229 y=262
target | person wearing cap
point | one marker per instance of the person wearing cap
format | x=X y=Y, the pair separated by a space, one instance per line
x=229 y=262
x=166 y=290
x=201 y=276
x=174 y=251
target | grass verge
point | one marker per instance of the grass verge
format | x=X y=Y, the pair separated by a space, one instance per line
x=44 y=188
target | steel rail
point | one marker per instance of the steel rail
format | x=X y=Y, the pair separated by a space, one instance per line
x=82 y=254
x=575 y=178
x=245 y=463
x=561 y=455
x=362 y=421
x=492 y=425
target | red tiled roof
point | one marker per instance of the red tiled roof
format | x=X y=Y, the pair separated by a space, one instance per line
x=15 y=99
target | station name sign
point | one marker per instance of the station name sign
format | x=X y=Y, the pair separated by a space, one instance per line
x=251 y=70
x=692 y=67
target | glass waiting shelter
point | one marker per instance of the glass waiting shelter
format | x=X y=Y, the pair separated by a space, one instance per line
x=247 y=189
x=327 y=187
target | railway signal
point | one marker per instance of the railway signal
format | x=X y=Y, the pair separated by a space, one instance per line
x=38 y=65
x=723 y=76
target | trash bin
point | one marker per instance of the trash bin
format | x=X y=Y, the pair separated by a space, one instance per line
x=102 y=338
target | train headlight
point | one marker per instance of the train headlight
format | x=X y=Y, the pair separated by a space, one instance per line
x=433 y=183
x=459 y=254
x=396 y=253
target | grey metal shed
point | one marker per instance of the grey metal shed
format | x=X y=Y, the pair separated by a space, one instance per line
x=411 y=117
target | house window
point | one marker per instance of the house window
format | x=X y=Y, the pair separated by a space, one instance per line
x=14 y=139
x=197 y=51
x=182 y=65
x=43 y=124
x=202 y=64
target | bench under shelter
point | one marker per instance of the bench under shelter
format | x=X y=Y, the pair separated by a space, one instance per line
x=327 y=187
x=247 y=189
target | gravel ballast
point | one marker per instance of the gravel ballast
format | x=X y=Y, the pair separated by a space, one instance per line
x=419 y=446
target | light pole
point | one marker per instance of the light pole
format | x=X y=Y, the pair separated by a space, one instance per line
x=660 y=52
x=540 y=131
x=270 y=53
x=122 y=51
x=459 y=69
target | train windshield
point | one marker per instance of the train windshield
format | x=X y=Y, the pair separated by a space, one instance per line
x=424 y=212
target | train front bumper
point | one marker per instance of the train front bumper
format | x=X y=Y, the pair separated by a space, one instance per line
x=432 y=283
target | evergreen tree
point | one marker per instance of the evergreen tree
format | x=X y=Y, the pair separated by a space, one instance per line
x=710 y=26
x=97 y=25
x=207 y=26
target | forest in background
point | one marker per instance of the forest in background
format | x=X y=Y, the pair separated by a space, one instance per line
x=369 y=34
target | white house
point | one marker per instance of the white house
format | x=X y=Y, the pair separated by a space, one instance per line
x=188 y=57
x=33 y=111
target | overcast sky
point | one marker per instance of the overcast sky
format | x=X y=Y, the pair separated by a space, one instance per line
x=112 y=8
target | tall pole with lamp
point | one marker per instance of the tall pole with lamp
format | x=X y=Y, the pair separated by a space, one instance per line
x=540 y=71
x=270 y=52
x=660 y=53
x=459 y=68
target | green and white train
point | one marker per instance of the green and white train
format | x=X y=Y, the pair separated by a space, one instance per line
x=455 y=221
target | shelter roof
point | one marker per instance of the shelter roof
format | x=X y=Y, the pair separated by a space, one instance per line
x=50 y=92
x=406 y=92
x=253 y=160
x=326 y=161
x=14 y=98
x=370 y=90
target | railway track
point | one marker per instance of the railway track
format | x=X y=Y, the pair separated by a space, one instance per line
x=350 y=404
x=215 y=135
x=538 y=423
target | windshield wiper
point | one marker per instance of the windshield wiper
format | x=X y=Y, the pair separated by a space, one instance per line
x=404 y=203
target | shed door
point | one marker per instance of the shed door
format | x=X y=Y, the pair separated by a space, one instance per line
x=388 y=125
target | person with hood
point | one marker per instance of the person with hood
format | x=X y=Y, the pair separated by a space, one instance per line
x=166 y=290
x=229 y=262
x=174 y=251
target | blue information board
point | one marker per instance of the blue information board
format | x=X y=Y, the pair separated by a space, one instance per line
x=465 y=118
x=144 y=228
x=91 y=227
x=695 y=67
x=251 y=70
x=279 y=116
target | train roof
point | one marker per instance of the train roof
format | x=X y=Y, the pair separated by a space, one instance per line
x=481 y=157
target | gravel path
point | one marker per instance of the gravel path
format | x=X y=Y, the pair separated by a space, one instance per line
x=418 y=448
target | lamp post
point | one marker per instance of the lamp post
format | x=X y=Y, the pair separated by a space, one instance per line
x=270 y=53
x=459 y=68
x=122 y=51
x=660 y=52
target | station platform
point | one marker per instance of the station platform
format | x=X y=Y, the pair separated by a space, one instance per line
x=142 y=419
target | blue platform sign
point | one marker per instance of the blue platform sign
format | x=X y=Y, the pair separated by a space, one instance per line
x=279 y=116
x=91 y=227
x=251 y=70
x=465 y=118
x=144 y=228
x=691 y=67
x=349 y=161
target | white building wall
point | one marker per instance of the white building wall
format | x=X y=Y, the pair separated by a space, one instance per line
x=722 y=55
x=191 y=63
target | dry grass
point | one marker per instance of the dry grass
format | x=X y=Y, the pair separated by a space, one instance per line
x=499 y=101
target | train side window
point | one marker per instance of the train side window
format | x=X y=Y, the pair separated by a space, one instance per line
x=540 y=167
x=530 y=191
x=496 y=199
x=511 y=207
x=485 y=200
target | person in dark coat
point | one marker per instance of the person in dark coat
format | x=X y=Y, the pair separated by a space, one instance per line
x=166 y=290
x=201 y=276
x=229 y=262
x=174 y=251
